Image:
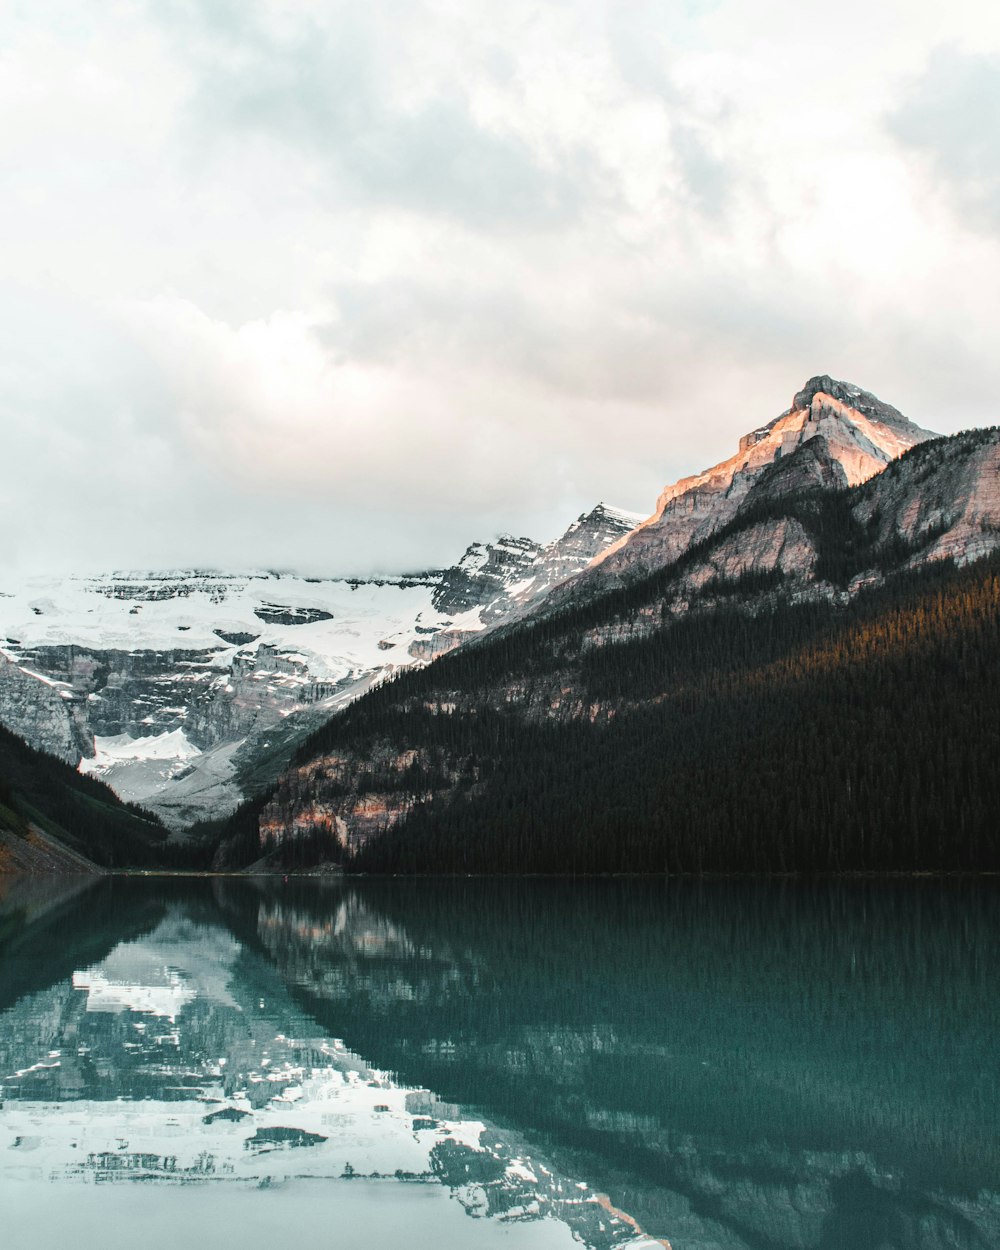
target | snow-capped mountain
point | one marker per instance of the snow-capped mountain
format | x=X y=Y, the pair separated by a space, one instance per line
x=182 y=689
x=496 y=582
x=188 y=690
x=158 y=681
x=587 y=538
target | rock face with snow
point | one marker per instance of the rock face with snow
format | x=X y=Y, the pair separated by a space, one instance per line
x=502 y=581
x=185 y=690
x=45 y=711
x=590 y=534
x=170 y=686
x=484 y=574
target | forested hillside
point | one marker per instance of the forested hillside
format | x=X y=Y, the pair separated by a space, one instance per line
x=79 y=812
x=812 y=686
x=799 y=740
x=807 y=737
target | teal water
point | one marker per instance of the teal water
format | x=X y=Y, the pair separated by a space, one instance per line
x=738 y=1065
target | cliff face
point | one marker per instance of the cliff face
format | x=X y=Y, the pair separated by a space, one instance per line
x=340 y=800
x=485 y=574
x=163 y=726
x=495 y=583
x=800 y=536
x=44 y=710
x=591 y=534
x=943 y=502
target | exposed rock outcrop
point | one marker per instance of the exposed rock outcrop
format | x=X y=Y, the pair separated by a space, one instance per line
x=342 y=799
x=45 y=711
x=780 y=545
x=940 y=502
x=485 y=573
x=590 y=534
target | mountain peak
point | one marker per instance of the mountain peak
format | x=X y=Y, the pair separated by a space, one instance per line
x=850 y=396
x=823 y=383
x=605 y=512
x=860 y=436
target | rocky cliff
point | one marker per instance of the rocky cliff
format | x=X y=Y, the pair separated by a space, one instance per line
x=43 y=708
x=590 y=535
x=941 y=501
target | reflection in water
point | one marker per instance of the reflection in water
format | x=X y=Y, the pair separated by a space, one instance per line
x=746 y=1066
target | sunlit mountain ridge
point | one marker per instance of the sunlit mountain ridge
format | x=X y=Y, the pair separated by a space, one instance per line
x=559 y=699
x=716 y=691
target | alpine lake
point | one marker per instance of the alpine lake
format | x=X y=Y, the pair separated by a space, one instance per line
x=703 y=1065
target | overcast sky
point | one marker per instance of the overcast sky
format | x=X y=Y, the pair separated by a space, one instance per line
x=344 y=286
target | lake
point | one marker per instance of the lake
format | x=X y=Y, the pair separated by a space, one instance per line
x=722 y=1065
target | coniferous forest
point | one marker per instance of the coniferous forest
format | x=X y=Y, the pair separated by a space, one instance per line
x=805 y=738
x=79 y=811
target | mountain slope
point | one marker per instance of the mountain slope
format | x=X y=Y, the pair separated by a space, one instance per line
x=503 y=581
x=741 y=708
x=30 y=850
x=806 y=738
x=188 y=690
x=52 y=819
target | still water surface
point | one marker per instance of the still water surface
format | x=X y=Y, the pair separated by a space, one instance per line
x=723 y=1066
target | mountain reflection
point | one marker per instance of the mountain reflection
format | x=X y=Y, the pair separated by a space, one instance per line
x=738 y=1065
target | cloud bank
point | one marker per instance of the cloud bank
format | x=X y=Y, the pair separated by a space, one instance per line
x=339 y=287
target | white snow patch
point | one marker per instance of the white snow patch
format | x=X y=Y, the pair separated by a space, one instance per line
x=174 y=745
x=475 y=559
x=630 y=518
x=468 y=621
x=61 y=686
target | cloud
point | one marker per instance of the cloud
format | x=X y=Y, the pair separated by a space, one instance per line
x=950 y=117
x=336 y=85
x=310 y=282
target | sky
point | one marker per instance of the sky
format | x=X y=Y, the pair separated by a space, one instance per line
x=342 y=287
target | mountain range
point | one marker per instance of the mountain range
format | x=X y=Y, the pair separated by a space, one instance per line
x=532 y=700
x=786 y=667
x=186 y=690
